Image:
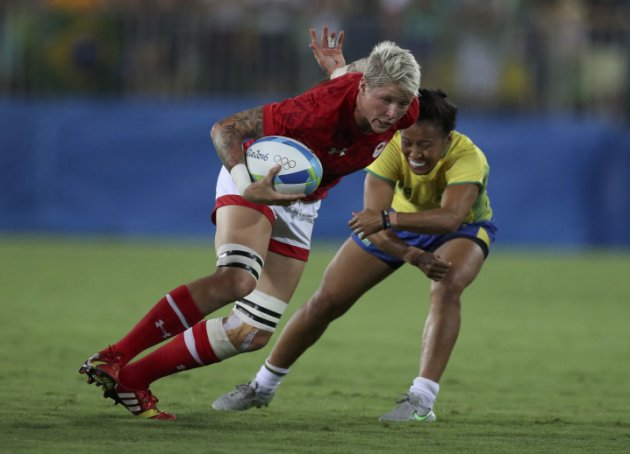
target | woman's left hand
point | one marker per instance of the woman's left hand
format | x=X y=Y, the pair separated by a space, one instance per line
x=366 y=222
x=328 y=52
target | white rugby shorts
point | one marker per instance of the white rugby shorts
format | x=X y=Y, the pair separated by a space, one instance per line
x=292 y=226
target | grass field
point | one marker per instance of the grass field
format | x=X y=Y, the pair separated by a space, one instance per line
x=542 y=363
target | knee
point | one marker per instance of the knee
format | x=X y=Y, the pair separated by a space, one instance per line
x=232 y=336
x=445 y=298
x=239 y=268
x=222 y=287
x=243 y=336
x=321 y=307
x=253 y=321
x=236 y=283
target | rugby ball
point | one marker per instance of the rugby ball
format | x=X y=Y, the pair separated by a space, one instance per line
x=301 y=170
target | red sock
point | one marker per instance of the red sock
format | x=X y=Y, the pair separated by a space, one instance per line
x=171 y=315
x=189 y=350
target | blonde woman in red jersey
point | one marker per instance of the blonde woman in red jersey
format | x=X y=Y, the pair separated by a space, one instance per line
x=262 y=237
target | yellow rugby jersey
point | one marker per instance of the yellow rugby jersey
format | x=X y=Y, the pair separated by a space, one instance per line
x=463 y=162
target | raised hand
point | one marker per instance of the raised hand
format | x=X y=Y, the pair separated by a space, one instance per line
x=327 y=51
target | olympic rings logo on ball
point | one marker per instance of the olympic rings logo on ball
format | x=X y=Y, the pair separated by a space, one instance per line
x=284 y=161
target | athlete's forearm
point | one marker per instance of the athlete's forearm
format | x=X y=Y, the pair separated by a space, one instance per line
x=389 y=243
x=435 y=221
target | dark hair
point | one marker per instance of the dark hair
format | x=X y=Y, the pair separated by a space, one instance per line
x=434 y=107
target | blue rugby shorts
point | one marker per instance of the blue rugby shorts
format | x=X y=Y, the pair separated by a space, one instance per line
x=482 y=233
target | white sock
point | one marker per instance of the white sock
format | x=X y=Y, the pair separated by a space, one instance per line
x=269 y=377
x=426 y=389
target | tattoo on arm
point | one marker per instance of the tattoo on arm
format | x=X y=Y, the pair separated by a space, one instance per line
x=229 y=133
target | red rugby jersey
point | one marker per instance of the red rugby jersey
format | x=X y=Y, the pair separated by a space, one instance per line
x=322 y=118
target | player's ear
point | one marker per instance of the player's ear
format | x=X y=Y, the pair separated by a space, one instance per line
x=363 y=85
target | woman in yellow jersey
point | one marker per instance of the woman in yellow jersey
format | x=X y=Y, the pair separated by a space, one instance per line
x=435 y=180
x=425 y=203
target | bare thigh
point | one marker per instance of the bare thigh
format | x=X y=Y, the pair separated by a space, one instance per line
x=242 y=225
x=350 y=274
x=467 y=259
x=280 y=276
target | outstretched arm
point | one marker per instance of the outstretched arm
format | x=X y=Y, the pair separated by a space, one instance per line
x=378 y=196
x=456 y=203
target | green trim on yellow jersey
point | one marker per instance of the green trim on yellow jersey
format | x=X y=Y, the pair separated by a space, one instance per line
x=463 y=163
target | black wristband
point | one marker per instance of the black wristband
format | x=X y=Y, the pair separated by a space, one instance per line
x=386 y=222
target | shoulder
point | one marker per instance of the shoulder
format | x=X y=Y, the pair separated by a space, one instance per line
x=463 y=146
x=465 y=161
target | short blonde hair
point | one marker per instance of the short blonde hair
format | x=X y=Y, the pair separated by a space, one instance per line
x=389 y=63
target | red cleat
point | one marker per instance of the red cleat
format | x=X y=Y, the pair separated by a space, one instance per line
x=103 y=368
x=141 y=403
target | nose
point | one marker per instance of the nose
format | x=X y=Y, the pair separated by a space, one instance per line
x=391 y=111
x=416 y=154
x=395 y=111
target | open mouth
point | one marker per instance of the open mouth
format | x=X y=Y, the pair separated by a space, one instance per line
x=418 y=166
